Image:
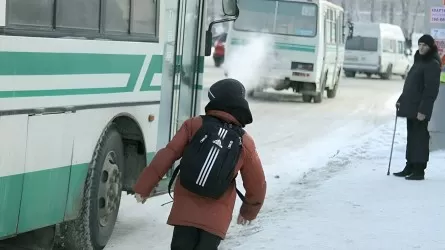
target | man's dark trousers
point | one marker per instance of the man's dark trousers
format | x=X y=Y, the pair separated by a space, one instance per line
x=417 y=147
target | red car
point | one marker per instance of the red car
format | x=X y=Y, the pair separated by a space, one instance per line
x=219 y=50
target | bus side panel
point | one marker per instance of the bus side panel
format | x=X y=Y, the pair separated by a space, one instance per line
x=75 y=191
x=48 y=164
x=12 y=165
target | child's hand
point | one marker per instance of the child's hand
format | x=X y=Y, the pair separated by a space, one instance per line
x=242 y=221
x=140 y=199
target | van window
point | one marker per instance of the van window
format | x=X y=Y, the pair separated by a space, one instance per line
x=401 y=47
x=362 y=43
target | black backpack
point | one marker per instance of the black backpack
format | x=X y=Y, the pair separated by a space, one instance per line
x=209 y=160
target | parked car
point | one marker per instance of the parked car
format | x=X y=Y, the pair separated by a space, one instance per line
x=219 y=49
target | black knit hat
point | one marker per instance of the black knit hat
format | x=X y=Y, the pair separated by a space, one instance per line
x=227 y=88
x=428 y=40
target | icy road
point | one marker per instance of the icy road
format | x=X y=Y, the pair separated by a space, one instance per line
x=327 y=185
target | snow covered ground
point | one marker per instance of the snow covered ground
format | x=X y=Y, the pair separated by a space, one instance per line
x=348 y=202
x=331 y=194
x=327 y=185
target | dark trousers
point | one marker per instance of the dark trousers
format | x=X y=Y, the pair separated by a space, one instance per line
x=418 y=142
x=191 y=238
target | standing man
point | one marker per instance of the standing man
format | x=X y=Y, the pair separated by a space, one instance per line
x=416 y=104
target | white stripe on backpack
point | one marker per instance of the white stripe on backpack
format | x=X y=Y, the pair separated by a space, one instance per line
x=210 y=160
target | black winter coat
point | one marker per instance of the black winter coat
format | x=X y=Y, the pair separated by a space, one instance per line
x=421 y=86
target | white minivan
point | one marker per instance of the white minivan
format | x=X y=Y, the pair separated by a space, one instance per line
x=376 y=49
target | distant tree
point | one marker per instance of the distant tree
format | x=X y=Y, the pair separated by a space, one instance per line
x=384 y=12
x=372 y=11
x=415 y=14
x=391 y=12
x=405 y=4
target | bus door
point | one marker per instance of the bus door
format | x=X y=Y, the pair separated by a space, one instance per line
x=180 y=70
x=189 y=36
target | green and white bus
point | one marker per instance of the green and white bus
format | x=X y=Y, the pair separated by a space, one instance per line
x=305 y=44
x=89 y=90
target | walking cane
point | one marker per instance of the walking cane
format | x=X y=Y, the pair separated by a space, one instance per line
x=392 y=144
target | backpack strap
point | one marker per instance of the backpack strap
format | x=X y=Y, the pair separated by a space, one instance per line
x=240 y=195
x=172 y=179
x=243 y=198
x=211 y=118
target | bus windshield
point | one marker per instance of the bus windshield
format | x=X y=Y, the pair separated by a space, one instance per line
x=362 y=43
x=277 y=17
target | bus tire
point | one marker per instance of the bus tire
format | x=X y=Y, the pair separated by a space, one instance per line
x=102 y=193
x=318 y=98
x=350 y=74
x=307 y=98
x=332 y=92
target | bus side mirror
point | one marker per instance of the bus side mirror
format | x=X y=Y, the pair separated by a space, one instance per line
x=231 y=10
x=208 y=49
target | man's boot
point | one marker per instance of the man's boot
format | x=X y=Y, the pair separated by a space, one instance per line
x=406 y=171
x=418 y=172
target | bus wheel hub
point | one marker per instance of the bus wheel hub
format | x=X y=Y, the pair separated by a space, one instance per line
x=109 y=189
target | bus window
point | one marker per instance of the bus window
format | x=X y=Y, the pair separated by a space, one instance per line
x=300 y=18
x=78 y=14
x=258 y=16
x=36 y=13
x=89 y=19
x=292 y=18
x=117 y=15
x=144 y=17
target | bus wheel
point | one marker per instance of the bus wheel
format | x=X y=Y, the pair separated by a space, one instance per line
x=332 y=92
x=307 y=98
x=318 y=98
x=102 y=195
x=349 y=73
